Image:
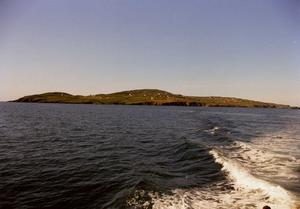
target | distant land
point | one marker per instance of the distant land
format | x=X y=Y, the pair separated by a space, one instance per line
x=147 y=97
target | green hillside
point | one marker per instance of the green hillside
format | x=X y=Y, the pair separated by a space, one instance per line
x=146 y=97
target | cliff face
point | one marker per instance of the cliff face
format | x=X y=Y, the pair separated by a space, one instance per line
x=146 y=97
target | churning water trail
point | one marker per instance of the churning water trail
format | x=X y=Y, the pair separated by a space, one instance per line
x=242 y=165
x=97 y=156
x=243 y=181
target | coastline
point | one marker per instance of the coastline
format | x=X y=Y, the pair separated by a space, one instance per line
x=153 y=97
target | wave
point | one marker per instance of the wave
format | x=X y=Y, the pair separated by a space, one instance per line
x=212 y=130
x=277 y=197
x=256 y=173
x=278 y=166
x=242 y=190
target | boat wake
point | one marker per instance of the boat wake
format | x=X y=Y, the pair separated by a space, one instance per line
x=271 y=194
x=243 y=164
x=242 y=190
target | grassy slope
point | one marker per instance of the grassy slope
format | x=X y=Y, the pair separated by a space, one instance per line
x=145 y=97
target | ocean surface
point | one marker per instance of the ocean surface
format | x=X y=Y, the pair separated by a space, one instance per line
x=65 y=156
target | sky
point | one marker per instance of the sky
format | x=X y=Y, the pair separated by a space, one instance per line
x=247 y=49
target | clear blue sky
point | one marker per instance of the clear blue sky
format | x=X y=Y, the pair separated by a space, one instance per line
x=248 y=49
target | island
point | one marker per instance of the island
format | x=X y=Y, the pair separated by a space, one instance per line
x=147 y=97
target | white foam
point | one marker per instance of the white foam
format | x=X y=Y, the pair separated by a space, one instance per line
x=247 y=192
x=254 y=170
x=266 y=163
x=278 y=197
x=213 y=130
x=214 y=198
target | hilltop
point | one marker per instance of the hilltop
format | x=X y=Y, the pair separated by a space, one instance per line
x=146 y=97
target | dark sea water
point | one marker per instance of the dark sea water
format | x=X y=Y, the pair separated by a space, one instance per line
x=97 y=156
